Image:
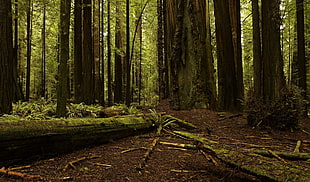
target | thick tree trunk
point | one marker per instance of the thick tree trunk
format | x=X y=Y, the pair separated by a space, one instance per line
x=257 y=50
x=301 y=53
x=77 y=51
x=25 y=139
x=29 y=30
x=87 y=55
x=227 y=80
x=119 y=54
x=273 y=76
x=6 y=57
x=62 y=86
x=109 y=61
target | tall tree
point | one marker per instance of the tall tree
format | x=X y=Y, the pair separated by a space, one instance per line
x=109 y=61
x=234 y=10
x=78 y=51
x=29 y=32
x=301 y=54
x=87 y=55
x=273 y=76
x=128 y=61
x=119 y=54
x=191 y=65
x=43 y=81
x=257 y=51
x=160 y=50
x=6 y=57
x=62 y=89
x=227 y=81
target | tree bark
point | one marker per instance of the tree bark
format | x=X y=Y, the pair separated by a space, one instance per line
x=109 y=65
x=273 y=76
x=6 y=57
x=227 y=80
x=87 y=55
x=78 y=51
x=62 y=86
x=27 y=139
x=119 y=54
x=257 y=51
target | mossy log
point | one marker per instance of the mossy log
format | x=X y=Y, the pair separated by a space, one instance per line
x=269 y=169
x=20 y=140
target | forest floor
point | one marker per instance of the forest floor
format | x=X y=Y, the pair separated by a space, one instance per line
x=118 y=160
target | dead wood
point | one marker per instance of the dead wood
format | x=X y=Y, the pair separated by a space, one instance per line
x=230 y=117
x=286 y=155
x=276 y=156
x=71 y=164
x=298 y=144
x=248 y=160
x=23 y=176
x=147 y=154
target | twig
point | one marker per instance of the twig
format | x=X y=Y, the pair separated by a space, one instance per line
x=188 y=171
x=305 y=132
x=19 y=168
x=165 y=130
x=71 y=164
x=298 y=144
x=230 y=117
x=209 y=158
x=130 y=150
x=148 y=154
x=20 y=175
x=276 y=156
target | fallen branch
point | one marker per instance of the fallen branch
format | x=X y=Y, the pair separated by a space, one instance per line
x=147 y=154
x=298 y=144
x=230 y=117
x=286 y=155
x=20 y=175
x=248 y=161
x=188 y=171
x=276 y=156
x=134 y=149
x=71 y=164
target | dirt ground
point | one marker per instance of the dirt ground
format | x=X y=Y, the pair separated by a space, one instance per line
x=119 y=160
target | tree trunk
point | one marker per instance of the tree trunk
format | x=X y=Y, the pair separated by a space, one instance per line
x=96 y=48
x=273 y=76
x=128 y=61
x=119 y=54
x=234 y=10
x=301 y=54
x=227 y=81
x=43 y=69
x=257 y=51
x=29 y=30
x=160 y=50
x=109 y=65
x=6 y=57
x=87 y=55
x=62 y=86
x=78 y=51
x=27 y=139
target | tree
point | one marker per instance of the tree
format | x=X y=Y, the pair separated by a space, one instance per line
x=6 y=57
x=87 y=86
x=257 y=52
x=109 y=61
x=301 y=54
x=29 y=32
x=128 y=61
x=273 y=76
x=160 y=50
x=62 y=89
x=191 y=65
x=78 y=50
x=227 y=80
x=119 y=54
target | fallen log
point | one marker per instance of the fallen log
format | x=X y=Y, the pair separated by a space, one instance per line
x=20 y=140
x=268 y=169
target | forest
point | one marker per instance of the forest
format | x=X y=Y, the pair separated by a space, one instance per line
x=224 y=83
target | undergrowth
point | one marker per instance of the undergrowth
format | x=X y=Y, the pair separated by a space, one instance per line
x=46 y=109
x=282 y=113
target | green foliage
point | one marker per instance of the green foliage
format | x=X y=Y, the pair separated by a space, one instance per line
x=281 y=114
x=161 y=121
x=125 y=109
